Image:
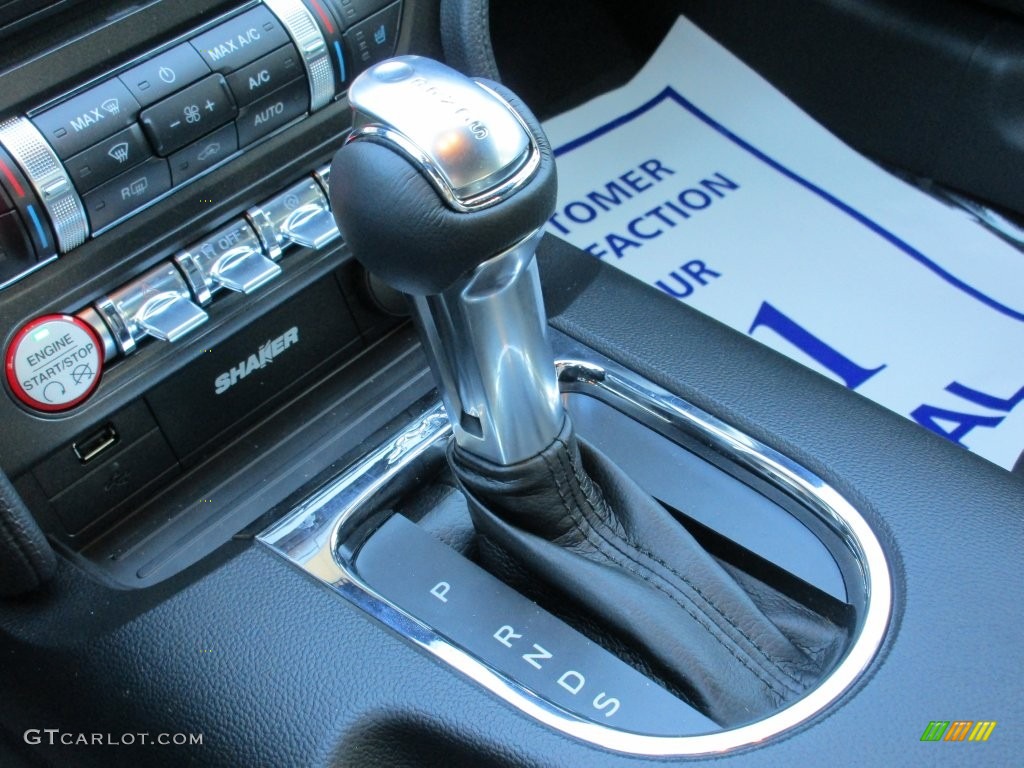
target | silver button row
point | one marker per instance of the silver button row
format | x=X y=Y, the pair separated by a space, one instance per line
x=167 y=302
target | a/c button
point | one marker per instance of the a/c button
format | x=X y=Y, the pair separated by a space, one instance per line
x=266 y=75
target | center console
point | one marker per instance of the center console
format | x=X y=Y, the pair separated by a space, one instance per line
x=291 y=519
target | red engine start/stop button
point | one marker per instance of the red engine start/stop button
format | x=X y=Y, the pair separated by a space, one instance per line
x=54 y=363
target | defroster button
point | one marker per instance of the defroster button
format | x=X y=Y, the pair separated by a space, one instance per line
x=87 y=118
x=119 y=197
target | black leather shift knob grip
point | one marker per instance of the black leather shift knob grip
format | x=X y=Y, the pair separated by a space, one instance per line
x=402 y=230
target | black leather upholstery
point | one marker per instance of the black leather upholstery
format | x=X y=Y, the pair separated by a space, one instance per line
x=466 y=37
x=434 y=245
x=574 y=521
x=26 y=559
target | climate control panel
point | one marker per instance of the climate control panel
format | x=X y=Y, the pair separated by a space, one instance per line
x=76 y=166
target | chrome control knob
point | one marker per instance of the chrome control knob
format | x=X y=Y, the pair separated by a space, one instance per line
x=442 y=190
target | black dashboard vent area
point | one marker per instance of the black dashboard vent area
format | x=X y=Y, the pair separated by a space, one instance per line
x=17 y=15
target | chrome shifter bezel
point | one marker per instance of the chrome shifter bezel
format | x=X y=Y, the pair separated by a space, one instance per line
x=311 y=534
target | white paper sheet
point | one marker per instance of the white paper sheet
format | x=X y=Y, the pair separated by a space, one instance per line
x=700 y=178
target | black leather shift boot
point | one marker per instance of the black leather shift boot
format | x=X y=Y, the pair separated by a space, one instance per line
x=580 y=526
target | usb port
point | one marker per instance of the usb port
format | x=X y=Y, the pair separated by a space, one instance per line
x=92 y=446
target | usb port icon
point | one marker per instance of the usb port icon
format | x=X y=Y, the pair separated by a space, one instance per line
x=95 y=444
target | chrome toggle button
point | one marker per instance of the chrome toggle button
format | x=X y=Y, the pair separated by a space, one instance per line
x=230 y=258
x=300 y=214
x=157 y=304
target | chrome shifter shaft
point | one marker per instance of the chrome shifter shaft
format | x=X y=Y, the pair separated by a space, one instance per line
x=487 y=344
x=483 y=325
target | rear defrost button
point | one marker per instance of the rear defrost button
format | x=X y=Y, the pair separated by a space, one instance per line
x=119 y=197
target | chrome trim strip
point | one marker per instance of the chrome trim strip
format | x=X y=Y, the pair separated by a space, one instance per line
x=309 y=536
x=323 y=178
x=194 y=277
x=118 y=325
x=92 y=317
x=25 y=273
x=304 y=32
x=265 y=231
x=983 y=215
x=48 y=178
x=486 y=342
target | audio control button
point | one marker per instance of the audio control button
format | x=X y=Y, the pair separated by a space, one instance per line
x=111 y=157
x=164 y=74
x=188 y=115
x=87 y=118
x=54 y=363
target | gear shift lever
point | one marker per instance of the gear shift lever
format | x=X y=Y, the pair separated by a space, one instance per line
x=442 y=191
x=466 y=259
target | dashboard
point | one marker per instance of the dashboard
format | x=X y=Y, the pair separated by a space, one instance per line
x=165 y=190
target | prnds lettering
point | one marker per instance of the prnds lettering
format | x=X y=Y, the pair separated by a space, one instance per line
x=257 y=361
x=476 y=127
x=572 y=680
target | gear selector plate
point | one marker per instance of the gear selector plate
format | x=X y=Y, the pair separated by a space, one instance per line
x=348 y=535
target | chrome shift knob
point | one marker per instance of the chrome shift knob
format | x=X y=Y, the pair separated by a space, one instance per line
x=461 y=135
x=442 y=190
